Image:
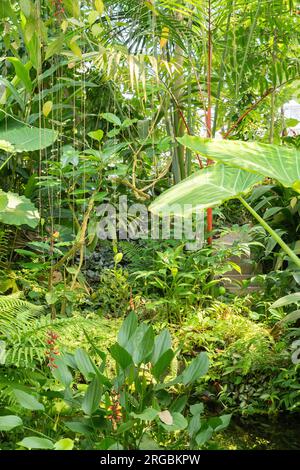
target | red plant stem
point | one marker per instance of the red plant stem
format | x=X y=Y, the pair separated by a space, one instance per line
x=247 y=111
x=208 y=113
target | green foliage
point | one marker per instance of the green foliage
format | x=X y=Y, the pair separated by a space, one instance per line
x=280 y=163
x=244 y=357
x=17 y=210
x=25 y=138
x=113 y=294
x=138 y=399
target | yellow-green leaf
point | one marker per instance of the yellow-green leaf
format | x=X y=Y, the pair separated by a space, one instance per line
x=64 y=26
x=6 y=146
x=75 y=48
x=25 y=7
x=99 y=5
x=72 y=8
x=47 y=108
x=164 y=37
x=93 y=16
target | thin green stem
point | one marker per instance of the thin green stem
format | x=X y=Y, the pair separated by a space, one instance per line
x=272 y=232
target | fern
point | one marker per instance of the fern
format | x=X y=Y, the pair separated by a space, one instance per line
x=16 y=313
x=4 y=246
x=27 y=345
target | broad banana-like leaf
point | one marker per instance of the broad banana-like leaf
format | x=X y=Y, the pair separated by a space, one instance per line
x=274 y=161
x=206 y=188
x=23 y=138
x=17 y=210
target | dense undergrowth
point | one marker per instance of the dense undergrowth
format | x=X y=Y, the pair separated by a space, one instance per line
x=115 y=331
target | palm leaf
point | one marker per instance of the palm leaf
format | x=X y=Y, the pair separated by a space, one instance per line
x=206 y=188
x=280 y=163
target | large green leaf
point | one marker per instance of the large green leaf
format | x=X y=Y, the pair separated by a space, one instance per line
x=28 y=401
x=206 y=188
x=62 y=372
x=162 y=343
x=21 y=72
x=18 y=210
x=25 y=138
x=121 y=356
x=9 y=422
x=127 y=329
x=280 y=163
x=85 y=364
x=33 y=442
x=92 y=397
x=197 y=368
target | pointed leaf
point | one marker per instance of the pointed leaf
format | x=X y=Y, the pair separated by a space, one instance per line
x=33 y=442
x=121 y=356
x=64 y=444
x=99 y=5
x=18 y=210
x=25 y=138
x=127 y=329
x=197 y=368
x=278 y=162
x=9 y=422
x=162 y=343
x=92 y=397
x=206 y=188
x=28 y=401
x=166 y=417
x=21 y=72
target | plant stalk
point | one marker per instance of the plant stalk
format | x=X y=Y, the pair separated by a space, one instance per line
x=272 y=232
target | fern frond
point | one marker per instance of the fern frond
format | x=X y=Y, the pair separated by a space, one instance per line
x=27 y=346
x=15 y=313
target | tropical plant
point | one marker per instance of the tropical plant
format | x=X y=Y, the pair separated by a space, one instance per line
x=245 y=165
x=134 y=408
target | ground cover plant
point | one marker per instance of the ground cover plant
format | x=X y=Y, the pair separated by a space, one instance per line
x=149 y=225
